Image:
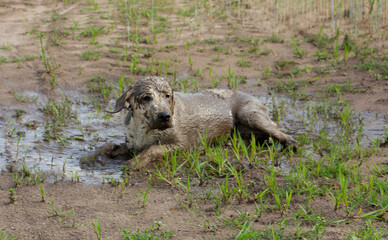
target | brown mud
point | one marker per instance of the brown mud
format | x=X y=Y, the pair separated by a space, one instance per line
x=189 y=51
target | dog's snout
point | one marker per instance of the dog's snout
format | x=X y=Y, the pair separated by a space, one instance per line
x=164 y=116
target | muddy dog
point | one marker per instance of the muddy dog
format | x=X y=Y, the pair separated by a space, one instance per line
x=161 y=120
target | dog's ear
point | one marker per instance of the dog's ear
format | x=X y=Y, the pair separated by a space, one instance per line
x=128 y=117
x=172 y=98
x=120 y=102
x=172 y=104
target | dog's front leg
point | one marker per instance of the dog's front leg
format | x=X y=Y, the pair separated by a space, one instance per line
x=152 y=153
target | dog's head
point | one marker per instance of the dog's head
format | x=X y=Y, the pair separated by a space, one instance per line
x=151 y=100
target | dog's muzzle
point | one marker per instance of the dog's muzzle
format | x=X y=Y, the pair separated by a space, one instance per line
x=163 y=120
x=164 y=117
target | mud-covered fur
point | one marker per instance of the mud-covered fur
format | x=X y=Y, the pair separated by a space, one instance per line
x=161 y=120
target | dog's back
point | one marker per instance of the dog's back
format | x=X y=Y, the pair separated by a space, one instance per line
x=206 y=113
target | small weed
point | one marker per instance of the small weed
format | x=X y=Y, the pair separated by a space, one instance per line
x=19 y=60
x=209 y=227
x=320 y=39
x=11 y=130
x=59 y=114
x=50 y=68
x=74 y=28
x=12 y=197
x=33 y=175
x=114 y=182
x=212 y=41
x=218 y=49
x=143 y=196
x=292 y=88
x=5 y=236
x=171 y=165
x=283 y=64
x=20 y=97
x=62 y=111
x=17 y=178
x=321 y=55
x=99 y=84
x=266 y=74
x=343 y=88
x=74 y=176
x=375 y=65
x=274 y=39
x=93 y=32
x=57 y=37
x=151 y=233
x=160 y=27
x=91 y=55
x=42 y=194
x=232 y=79
x=195 y=164
x=187 y=187
x=115 y=50
x=375 y=75
x=266 y=51
x=263 y=204
x=298 y=51
x=349 y=43
x=191 y=63
x=245 y=232
x=19 y=113
x=368 y=231
x=3 y=60
x=226 y=191
x=122 y=186
x=241 y=189
x=97 y=228
x=6 y=47
x=56 y=16
x=244 y=63
x=188 y=44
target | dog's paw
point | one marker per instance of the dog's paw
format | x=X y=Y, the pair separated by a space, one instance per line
x=152 y=153
x=290 y=141
x=131 y=163
x=140 y=161
x=135 y=163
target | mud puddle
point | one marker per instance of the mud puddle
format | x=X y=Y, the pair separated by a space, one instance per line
x=91 y=131
x=94 y=129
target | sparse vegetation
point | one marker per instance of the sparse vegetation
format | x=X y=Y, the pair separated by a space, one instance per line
x=91 y=55
x=59 y=114
x=93 y=32
x=244 y=63
x=274 y=39
x=325 y=52
x=5 y=236
x=153 y=232
x=49 y=66
x=99 y=84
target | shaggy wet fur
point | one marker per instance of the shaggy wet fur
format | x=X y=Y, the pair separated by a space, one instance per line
x=160 y=120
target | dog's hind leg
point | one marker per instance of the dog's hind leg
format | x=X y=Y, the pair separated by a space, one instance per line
x=253 y=115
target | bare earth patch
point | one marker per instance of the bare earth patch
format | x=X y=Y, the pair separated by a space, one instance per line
x=52 y=104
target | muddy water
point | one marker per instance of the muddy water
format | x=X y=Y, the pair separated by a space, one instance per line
x=298 y=117
x=93 y=131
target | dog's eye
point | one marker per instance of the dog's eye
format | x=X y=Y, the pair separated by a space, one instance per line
x=167 y=96
x=147 y=98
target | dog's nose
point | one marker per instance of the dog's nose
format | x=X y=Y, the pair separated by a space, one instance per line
x=164 y=116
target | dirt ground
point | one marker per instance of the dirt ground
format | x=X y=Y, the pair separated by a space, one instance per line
x=186 y=49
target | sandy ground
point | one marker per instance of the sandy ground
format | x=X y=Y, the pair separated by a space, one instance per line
x=29 y=217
